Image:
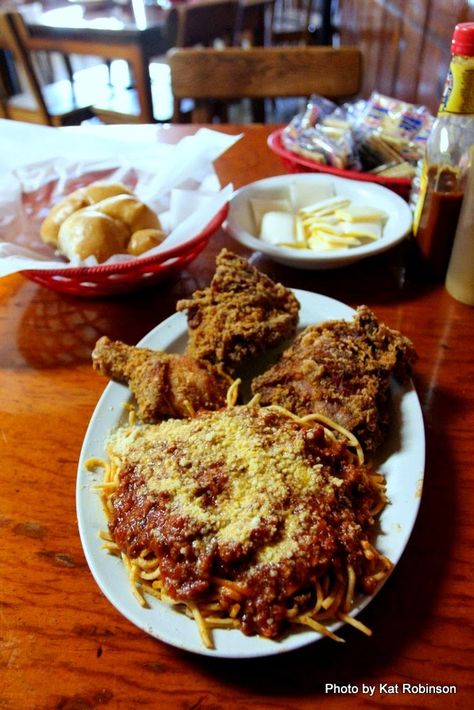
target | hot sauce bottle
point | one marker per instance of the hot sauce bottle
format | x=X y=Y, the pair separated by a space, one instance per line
x=446 y=162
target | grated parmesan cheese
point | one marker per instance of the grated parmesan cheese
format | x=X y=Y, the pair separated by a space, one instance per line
x=258 y=477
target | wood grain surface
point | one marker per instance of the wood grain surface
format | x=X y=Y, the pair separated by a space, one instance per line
x=62 y=643
x=406 y=45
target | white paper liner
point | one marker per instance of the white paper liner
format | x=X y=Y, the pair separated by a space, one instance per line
x=177 y=181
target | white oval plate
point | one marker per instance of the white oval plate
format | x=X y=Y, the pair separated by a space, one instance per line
x=240 y=222
x=402 y=461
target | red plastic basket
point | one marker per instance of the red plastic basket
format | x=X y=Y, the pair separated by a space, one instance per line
x=111 y=279
x=297 y=163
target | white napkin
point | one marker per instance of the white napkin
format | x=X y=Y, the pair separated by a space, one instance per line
x=177 y=181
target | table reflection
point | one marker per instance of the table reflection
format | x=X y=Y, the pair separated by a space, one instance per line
x=109 y=15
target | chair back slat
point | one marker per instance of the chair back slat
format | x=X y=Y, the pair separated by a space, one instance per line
x=265 y=72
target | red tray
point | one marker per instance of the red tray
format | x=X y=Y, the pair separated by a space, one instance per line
x=297 y=163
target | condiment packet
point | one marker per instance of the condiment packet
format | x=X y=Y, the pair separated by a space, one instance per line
x=382 y=135
x=322 y=134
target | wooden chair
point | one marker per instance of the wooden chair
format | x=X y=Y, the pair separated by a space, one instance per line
x=202 y=23
x=51 y=105
x=205 y=22
x=227 y=74
x=295 y=22
x=65 y=102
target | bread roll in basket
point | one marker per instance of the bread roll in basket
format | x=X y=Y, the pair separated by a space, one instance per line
x=101 y=220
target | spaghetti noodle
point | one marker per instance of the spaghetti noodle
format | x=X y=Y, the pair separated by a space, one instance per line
x=249 y=517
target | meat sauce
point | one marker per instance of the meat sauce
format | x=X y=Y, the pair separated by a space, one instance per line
x=331 y=526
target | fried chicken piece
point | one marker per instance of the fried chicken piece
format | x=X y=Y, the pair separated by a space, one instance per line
x=163 y=384
x=341 y=369
x=241 y=314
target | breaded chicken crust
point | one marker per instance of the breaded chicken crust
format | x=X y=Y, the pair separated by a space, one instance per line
x=341 y=369
x=240 y=315
x=163 y=384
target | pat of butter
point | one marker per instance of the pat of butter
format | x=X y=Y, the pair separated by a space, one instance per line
x=262 y=205
x=312 y=225
x=303 y=194
x=370 y=230
x=321 y=241
x=277 y=227
x=359 y=213
x=318 y=209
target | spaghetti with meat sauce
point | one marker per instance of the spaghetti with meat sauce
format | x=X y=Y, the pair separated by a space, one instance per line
x=250 y=517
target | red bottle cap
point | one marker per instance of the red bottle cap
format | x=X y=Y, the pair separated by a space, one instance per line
x=463 y=39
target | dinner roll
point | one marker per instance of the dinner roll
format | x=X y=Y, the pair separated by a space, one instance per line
x=49 y=229
x=92 y=233
x=129 y=210
x=143 y=240
x=98 y=191
x=99 y=220
x=82 y=197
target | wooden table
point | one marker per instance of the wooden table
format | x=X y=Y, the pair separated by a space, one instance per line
x=64 y=646
x=135 y=31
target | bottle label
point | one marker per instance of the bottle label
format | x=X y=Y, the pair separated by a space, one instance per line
x=458 y=93
x=420 y=198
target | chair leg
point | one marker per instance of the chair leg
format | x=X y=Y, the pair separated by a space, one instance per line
x=258 y=110
x=9 y=81
x=69 y=67
x=202 y=113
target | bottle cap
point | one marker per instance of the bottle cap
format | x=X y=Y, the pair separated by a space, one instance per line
x=463 y=39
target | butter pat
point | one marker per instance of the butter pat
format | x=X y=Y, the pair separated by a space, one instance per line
x=302 y=195
x=358 y=213
x=277 y=227
x=369 y=230
x=324 y=207
x=321 y=241
x=262 y=205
